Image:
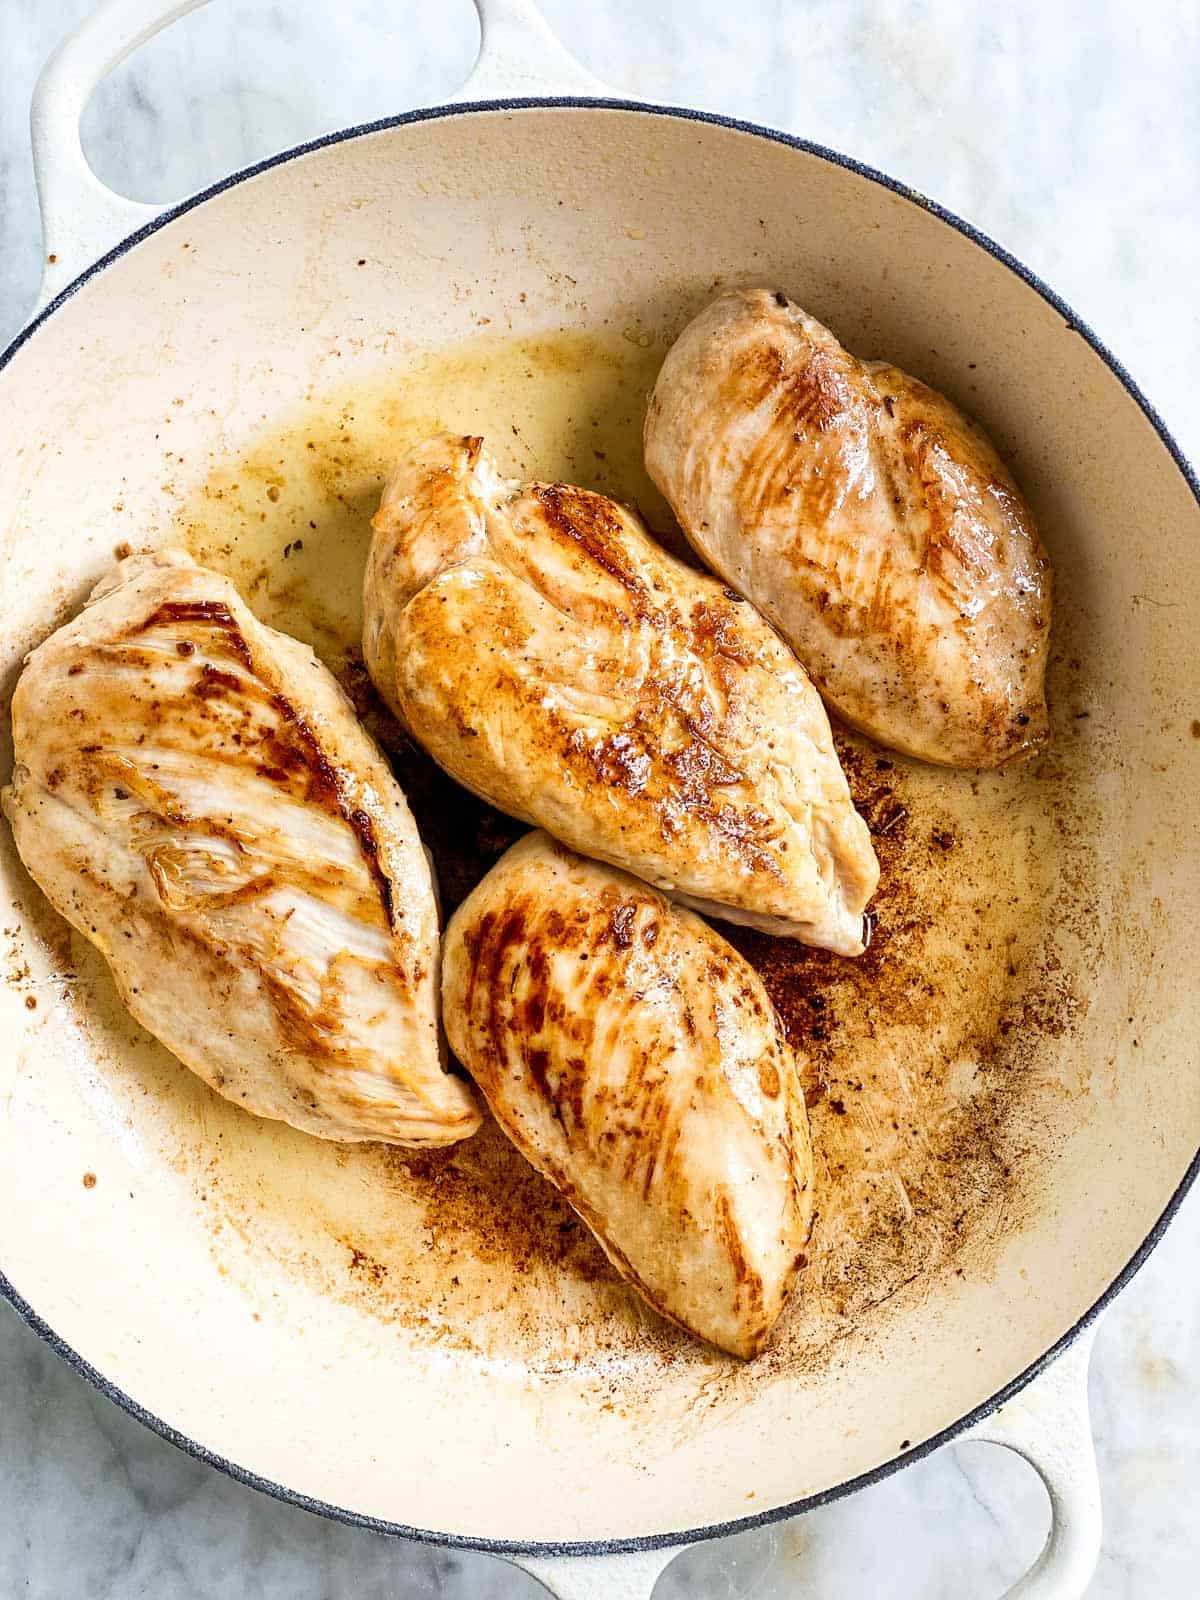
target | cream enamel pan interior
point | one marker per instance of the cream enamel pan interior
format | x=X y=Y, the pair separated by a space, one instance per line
x=262 y=1297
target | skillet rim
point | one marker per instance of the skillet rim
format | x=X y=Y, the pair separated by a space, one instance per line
x=885 y=1469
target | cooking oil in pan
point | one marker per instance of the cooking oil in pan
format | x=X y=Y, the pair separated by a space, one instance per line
x=290 y=518
x=924 y=1062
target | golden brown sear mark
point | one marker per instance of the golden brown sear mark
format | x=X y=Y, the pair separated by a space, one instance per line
x=294 y=751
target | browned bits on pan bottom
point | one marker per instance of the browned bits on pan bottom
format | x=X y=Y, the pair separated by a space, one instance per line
x=488 y=1197
x=367 y=1265
x=813 y=989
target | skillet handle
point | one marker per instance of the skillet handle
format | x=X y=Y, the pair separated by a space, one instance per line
x=624 y=1577
x=519 y=56
x=1047 y=1424
x=82 y=217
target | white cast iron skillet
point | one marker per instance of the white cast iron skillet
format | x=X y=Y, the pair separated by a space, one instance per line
x=209 y=1272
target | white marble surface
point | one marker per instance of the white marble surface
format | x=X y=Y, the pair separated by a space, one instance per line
x=1071 y=133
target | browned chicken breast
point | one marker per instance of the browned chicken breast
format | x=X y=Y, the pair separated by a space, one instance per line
x=634 y=1058
x=194 y=794
x=552 y=658
x=870 y=520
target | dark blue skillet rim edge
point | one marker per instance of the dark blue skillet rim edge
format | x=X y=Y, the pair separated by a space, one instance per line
x=600 y=1547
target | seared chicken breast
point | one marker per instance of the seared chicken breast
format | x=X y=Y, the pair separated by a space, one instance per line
x=557 y=662
x=634 y=1058
x=868 y=518
x=193 y=793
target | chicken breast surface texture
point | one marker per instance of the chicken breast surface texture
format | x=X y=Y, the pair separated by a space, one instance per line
x=634 y=1058
x=870 y=520
x=193 y=793
x=556 y=661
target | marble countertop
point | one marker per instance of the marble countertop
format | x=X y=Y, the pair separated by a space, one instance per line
x=1079 y=151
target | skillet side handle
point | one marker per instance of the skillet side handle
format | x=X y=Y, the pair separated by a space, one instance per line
x=82 y=217
x=623 y=1577
x=1049 y=1426
x=520 y=56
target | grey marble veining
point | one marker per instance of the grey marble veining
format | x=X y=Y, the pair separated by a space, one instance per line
x=1069 y=133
